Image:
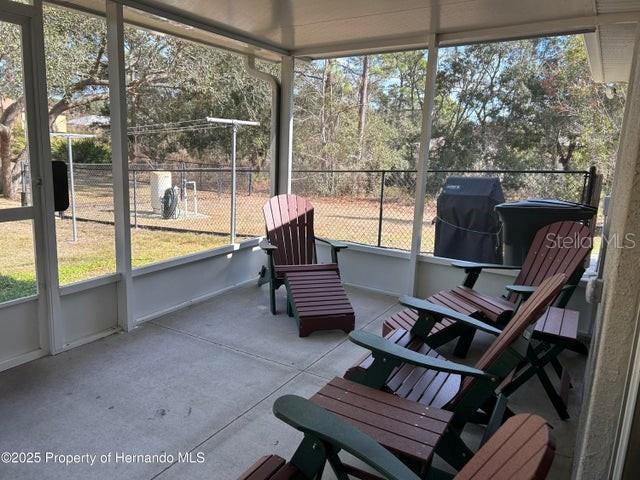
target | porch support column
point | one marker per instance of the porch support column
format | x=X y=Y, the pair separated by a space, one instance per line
x=423 y=162
x=274 y=131
x=285 y=135
x=119 y=155
x=51 y=324
x=613 y=367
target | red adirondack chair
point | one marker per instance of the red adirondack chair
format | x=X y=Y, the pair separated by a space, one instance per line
x=393 y=366
x=560 y=247
x=315 y=294
x=521 y=449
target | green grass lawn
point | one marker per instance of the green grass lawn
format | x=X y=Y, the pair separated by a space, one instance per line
x=91 y=256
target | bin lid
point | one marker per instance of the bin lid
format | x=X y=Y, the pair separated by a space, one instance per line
x=544 y=204
x=473 y=187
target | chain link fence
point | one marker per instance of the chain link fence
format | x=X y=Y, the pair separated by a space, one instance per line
x=372 y=207
x=202 y=198
x=375 y=207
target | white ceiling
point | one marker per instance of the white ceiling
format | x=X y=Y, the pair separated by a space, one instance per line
x=322 y=25
x=321 y=28
x=611 y=46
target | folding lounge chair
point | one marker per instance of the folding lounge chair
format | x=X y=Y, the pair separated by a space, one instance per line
x=315 y=295
x=420 y=374
x=521 y=449
x=560 y=247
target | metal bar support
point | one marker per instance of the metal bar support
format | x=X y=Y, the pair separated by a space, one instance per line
x=74 y=224
x=381 y=209
x=234 y=174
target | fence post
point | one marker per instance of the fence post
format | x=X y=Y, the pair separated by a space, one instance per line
x=381 y=209
x=232 y=228
x=183 y=181
x=588 y=185
x=250 y=182
x=23 y=183
x=135 y=198
x=74 y=227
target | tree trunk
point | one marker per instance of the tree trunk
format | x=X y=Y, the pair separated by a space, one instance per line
x=8 y=187
x=7 y=119
x=323 y=112
x=363 y=102
x=565 y=158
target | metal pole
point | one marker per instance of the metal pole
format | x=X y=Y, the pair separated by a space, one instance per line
x=195 y=198
x=23 y=183
x=183 y=188
x=381 y=210
x=233 y=183
x=74 y=227
x=423 y=162
x=588 y=185
x=135 y=198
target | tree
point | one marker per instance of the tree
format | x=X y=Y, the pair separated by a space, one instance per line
x=168 y=79
x=11 y=101
x=76 y=75
x=528 y=104
x=363 y=102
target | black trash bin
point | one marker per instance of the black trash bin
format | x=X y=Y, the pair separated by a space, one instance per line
x=522 y=219
x=467 y=227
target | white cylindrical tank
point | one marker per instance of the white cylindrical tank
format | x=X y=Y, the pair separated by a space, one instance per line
x=159 y=183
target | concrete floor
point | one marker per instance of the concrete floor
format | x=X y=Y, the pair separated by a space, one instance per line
x=202 y=380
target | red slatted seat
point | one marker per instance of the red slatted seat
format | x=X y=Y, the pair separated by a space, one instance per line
x=406 y=319
x=495 y=309
x=560 y=247
x=435 y=389
x=557 y=248
x=446 y=390
x=282 y=270
x=407 y=428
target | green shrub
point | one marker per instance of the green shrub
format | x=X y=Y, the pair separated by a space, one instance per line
x=85 y=150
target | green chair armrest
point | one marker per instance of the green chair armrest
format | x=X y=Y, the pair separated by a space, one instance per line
x=480 y=266
x=317 y=422
x=527 y=290
x=524 y=289
x=335 y=245
x=266 y=246
x=382 y=347
x=439 y=312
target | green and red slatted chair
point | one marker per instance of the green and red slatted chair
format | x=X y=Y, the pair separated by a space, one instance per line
x=521 y=449
x=560 y=247
x=315 y=293
x=408 y=368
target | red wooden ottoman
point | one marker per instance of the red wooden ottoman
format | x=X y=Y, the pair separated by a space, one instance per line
x=318 y=301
